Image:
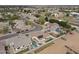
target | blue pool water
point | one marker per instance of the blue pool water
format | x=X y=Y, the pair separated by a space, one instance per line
x=34 y=45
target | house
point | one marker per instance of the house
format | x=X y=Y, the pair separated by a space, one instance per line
x=53 y=28
x=40 y=37
x=75 y=14
x=75 y=19
x=18 y=43
x=20 y=25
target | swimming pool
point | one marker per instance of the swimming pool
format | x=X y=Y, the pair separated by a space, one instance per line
x=34 y=45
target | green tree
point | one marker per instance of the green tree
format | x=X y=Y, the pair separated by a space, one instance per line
x=14 y=17
x=46 y=18
x=28 y=22
x=73 y=28
x=9 y=17
x=42 y=20
x=53 y=21
x=67 y=14
x=5 y=29
x=48 y=14
x=25 y=10
x=11 y=23
x=28 y=11
x=61 y=23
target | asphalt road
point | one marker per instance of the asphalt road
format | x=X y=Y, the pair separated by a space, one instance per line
x=37 y=28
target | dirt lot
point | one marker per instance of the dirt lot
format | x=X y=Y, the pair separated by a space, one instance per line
x=72 y=41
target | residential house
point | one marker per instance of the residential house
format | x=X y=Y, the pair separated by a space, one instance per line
x=40 y=37
x=20 y=25
x=17 y=43
x=53 y=28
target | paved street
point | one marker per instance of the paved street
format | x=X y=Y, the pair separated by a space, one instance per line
x=37 y=28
